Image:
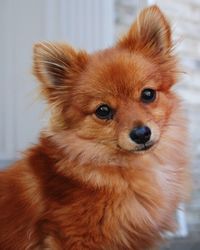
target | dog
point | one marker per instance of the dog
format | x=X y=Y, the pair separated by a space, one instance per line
x=111 y=168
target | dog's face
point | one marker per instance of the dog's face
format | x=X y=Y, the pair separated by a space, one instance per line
x=119 y=98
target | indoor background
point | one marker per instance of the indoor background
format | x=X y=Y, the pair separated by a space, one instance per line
x=91 y=25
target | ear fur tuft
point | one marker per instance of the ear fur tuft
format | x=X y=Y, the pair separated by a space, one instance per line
x=150 y=33
x=56 y=64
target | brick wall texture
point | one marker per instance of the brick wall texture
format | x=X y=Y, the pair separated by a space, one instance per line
x=184 y=16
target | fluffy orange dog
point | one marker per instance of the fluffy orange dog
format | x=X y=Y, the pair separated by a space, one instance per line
x=110 y=170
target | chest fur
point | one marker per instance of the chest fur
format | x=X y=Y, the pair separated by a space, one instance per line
x=100 y=220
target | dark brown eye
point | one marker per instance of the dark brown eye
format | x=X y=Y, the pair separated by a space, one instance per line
x=104 y=112
x=148 y=95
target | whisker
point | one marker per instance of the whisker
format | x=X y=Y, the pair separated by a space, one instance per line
x=54 y=51
x=54 y=64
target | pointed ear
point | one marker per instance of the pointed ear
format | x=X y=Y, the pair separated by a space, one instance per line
x=150 y=33
x=57 y=65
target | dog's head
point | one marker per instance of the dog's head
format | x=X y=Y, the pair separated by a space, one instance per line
x=118 y=99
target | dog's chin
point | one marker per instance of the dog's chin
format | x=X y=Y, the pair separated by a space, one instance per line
x=140 y=149
x=144 y=147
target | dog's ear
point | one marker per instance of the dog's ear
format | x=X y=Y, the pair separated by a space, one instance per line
x=150 y=33
x=57 y=66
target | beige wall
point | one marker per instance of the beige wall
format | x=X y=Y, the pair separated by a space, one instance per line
x=184 y=16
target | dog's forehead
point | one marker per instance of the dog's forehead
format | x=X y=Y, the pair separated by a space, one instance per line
x=118 y=72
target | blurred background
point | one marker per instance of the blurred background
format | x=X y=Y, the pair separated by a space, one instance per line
x=91 y=25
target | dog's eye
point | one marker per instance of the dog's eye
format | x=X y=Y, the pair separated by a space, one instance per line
x=104 y=112
x=148 y=95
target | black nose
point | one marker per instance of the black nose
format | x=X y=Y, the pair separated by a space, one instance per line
x=141 y=134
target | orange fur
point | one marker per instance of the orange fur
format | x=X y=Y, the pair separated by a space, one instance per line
x=84 y=185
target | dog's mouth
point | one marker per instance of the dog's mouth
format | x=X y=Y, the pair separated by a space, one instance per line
x=144 y=147
x=141 y=148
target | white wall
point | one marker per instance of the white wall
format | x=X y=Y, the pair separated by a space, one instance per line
x=86 y=24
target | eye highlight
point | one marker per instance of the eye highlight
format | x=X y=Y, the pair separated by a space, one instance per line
x=148 y=95
x=104 y=112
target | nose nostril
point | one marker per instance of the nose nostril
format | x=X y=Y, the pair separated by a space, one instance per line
x=140 y=135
